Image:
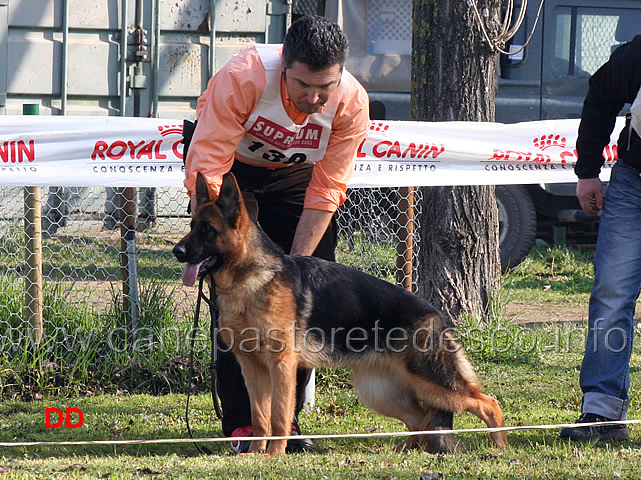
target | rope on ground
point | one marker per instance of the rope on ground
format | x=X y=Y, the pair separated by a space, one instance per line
x=319 y=437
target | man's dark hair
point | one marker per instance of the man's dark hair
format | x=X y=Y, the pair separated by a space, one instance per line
x=316 y=42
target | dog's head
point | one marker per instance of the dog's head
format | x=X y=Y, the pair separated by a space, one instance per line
x=217 y=228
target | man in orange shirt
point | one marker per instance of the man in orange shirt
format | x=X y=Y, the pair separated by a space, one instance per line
x=287 y=121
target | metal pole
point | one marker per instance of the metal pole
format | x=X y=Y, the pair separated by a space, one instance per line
x=155 y=56
x=34 y=297
x=405 y=246
x=137 y=68
x=65 y=61
x=212 y=37
x=128 y=255
x=120 y=196
x=123 y=59
x=128 y=215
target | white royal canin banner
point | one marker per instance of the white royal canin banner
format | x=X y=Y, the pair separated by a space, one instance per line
x=147 y=152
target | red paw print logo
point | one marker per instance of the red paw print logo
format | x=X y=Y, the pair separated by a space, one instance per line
x=548 y=141
x=378 y=127
x=170 y=129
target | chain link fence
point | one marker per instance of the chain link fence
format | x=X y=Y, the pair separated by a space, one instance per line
x=105 y=301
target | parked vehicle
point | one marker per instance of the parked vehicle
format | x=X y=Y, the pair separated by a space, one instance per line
x=547 y=80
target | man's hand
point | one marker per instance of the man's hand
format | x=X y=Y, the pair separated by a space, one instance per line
x=589 y=191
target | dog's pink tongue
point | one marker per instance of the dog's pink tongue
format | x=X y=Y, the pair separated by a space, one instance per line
x=190 y=274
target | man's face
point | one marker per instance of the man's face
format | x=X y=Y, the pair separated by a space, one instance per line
x=309 y=90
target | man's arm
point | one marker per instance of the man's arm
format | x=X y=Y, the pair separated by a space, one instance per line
x=613 y=85
x=311 y=228
x=223 y=108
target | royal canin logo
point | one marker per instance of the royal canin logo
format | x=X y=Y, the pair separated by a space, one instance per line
x=545 y=142
x=166 y=130
x=18 y=151
x=378 y=127
x=395 y=149
x=548 y=141
x=537 y=154
x=137 y=150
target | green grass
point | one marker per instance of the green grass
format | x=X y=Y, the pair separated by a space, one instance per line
x=553 y=275
x=84 y=350
x=377 y=259
x=533 y=372
x=500 y=339
x=529 y=394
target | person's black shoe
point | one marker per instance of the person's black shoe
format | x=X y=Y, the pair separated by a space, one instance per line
x=617 y=433
x=293 y=445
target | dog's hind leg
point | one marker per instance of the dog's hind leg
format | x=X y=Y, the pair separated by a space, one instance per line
x=487 y=409
x=459 y=389
x=381 y=391
x=468 y=398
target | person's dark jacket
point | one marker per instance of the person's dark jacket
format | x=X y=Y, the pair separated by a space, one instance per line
x=611 y=87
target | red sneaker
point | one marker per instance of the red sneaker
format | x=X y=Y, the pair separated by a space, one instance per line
x=293 y=445
x=241 y=446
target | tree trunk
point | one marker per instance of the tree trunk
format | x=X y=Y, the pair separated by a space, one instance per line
x=453 y=79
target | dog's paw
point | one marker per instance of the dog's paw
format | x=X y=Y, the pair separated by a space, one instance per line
x=442 y=444
x=410 y=443
x=276 y=447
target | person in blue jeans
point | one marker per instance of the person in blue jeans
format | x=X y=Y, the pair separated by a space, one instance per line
x=605 y=371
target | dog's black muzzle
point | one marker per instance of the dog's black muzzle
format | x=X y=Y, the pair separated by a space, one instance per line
x=180 y=252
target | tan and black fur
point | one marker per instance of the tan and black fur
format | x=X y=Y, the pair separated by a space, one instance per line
x=278 y=312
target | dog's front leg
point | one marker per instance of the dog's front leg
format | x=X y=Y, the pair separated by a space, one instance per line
x=258 y=382
x=283 y=390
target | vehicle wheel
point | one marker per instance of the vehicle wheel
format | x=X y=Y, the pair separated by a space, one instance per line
x=517 y=224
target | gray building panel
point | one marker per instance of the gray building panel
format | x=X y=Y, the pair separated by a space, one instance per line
x=67 y=54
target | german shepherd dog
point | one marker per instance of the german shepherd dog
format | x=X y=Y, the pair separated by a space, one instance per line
x=279 y=312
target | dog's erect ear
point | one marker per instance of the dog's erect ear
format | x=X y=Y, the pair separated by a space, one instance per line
x=229 y=199
x=204 y=192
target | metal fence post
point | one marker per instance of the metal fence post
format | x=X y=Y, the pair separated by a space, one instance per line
x=128 y=256
x=34 y=297
x=405 y=246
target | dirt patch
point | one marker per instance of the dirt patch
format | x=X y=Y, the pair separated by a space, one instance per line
x=546 y=312
x=99 y=295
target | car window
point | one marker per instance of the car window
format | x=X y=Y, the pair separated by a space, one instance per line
x=586 y=37
x=389 y=27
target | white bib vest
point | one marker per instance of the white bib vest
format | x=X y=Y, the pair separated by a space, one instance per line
x=271 y=137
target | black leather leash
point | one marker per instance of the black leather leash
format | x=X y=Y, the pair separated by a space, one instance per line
x=211 y=301
x=188 y=132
